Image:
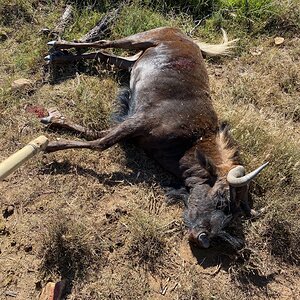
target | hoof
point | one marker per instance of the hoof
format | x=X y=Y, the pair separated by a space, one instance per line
x=46 y=120
x=54 y=116
x=48 y=58
x=51 y=43
x=58 y=57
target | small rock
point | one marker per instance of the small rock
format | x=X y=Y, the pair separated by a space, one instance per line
x=8 y=211
x=21 y=83
x=278 y=40
x=28 y=248
x=13 y=243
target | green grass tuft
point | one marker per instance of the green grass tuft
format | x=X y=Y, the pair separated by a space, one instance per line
x=135 y=18
x=16 y=12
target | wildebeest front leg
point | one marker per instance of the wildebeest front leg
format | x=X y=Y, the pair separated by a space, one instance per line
x=129 y=128
x=244 y=204
x=140 y=41
x=111 y=59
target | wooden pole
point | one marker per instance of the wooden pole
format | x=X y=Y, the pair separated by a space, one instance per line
x=17 y=159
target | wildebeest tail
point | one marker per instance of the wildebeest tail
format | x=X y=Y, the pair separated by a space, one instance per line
x=217 y=49
x=122 y=105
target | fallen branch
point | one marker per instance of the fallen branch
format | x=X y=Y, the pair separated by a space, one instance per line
x=64 y=21
x=102 y=28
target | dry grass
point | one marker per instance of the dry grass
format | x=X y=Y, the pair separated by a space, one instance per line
x=264 y=117
x=147 y=246
x=99 y=219
x=70 y=249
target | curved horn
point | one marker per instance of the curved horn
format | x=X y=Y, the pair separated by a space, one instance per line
x=237 y=178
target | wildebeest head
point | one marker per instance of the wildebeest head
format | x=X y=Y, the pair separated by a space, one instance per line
x=214 y=201
x=209 y=211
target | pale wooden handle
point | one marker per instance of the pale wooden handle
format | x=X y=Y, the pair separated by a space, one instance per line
x=17 y=159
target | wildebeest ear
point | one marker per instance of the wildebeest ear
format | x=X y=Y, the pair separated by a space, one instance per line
x=206 y=163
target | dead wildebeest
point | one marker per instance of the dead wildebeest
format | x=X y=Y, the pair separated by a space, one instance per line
x=168 y=112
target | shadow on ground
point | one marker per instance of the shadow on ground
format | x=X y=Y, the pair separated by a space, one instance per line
x=240 y=265
x=143 y=169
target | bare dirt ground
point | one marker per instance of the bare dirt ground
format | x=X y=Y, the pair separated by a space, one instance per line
x=100 y=221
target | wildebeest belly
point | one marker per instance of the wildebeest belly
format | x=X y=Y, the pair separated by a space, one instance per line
x=166 y=147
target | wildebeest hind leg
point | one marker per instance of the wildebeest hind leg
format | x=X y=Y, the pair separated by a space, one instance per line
x=56 y=120
x=128 y=129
